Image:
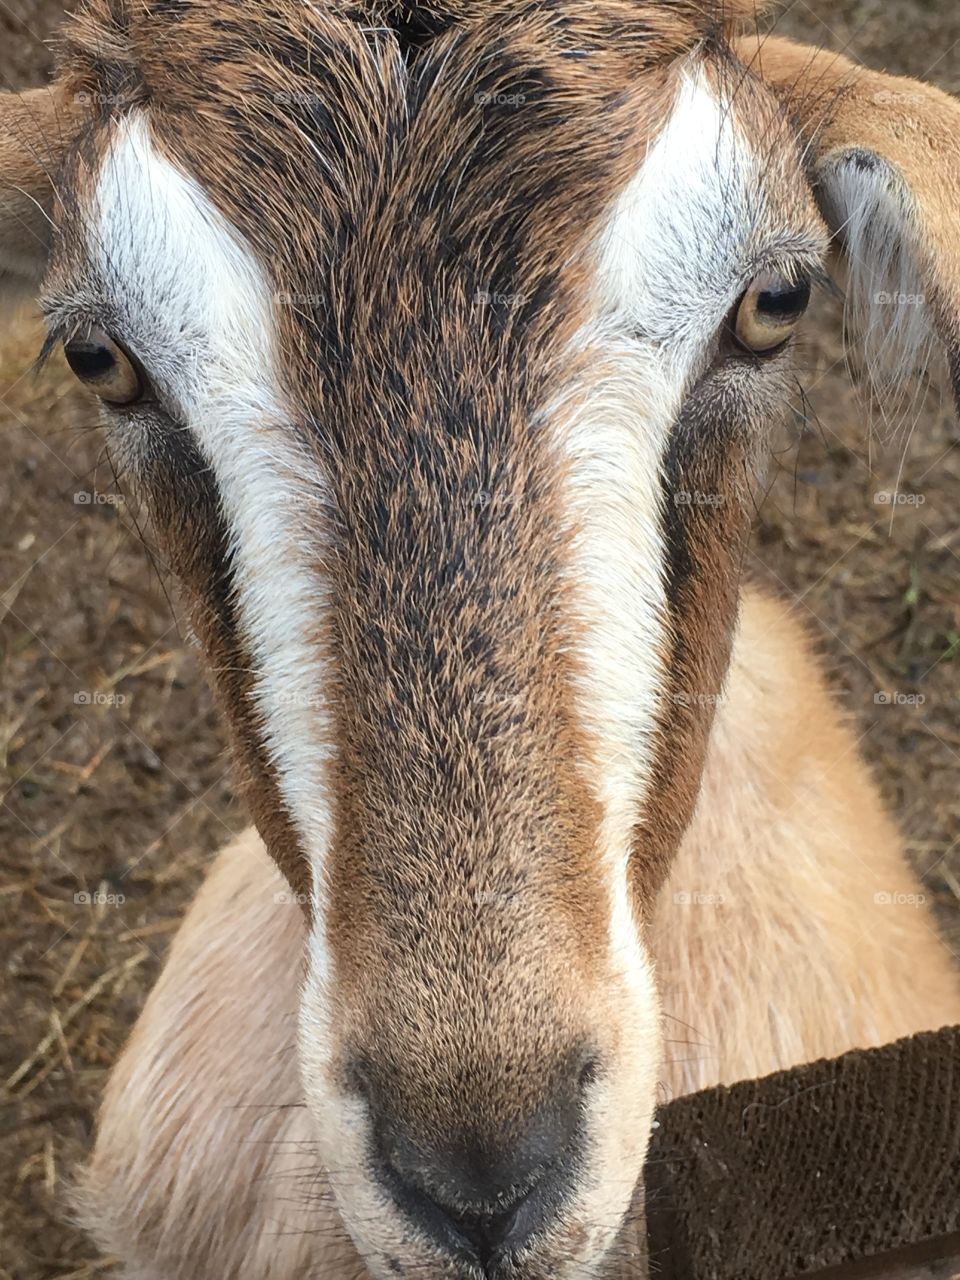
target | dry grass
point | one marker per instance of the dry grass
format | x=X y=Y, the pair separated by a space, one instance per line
x=115 y=787
x=126 y=794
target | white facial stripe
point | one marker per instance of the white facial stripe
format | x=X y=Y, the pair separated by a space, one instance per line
x=677 y=244
x=670 y=264
x=196 y=303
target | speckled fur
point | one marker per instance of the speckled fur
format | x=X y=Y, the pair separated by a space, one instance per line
x=428 y=244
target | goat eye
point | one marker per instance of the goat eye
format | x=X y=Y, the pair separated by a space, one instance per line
x=769 y=311
x=102 y=365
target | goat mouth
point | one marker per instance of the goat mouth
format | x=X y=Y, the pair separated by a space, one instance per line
x=489 y=1242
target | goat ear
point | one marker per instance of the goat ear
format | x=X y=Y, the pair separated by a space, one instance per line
x=33 y=134
x=884 y=153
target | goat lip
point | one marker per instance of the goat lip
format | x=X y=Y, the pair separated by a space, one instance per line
x=432 y=1222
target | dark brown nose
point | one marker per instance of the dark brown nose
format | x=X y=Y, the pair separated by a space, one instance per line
x=479 y=1199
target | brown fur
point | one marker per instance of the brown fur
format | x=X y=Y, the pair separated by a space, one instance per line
x=713 y=453
x=772 y=897
x=38 y=127
x=466 y=891
x=470 y=698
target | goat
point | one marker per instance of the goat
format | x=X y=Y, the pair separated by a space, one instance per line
x=443 y=346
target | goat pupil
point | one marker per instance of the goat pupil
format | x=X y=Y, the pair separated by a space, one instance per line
x=88 y=360
x=784 y=301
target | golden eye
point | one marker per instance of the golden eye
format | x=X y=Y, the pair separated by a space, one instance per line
x=102 y=365
x=769 y=311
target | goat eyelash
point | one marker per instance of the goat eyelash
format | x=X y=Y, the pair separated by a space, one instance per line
x=55 y=337
x=60 y=329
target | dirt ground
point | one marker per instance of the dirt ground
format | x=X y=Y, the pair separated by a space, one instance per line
x=114 y=778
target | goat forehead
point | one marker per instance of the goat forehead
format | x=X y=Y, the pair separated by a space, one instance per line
x=420 y=238
x=423 y=306
x=498 y=147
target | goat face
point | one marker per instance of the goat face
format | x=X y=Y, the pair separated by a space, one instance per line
x=442 y=365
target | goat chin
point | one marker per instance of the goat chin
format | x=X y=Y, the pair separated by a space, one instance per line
x=790 y=928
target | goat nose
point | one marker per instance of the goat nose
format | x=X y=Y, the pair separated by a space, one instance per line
x=479 y=1203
